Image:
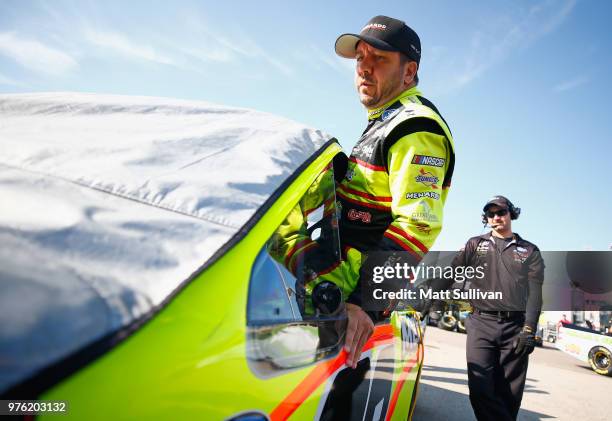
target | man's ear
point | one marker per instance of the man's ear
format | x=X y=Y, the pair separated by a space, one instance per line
x=410 y=71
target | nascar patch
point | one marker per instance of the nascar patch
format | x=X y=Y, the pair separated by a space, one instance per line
x=432 y=161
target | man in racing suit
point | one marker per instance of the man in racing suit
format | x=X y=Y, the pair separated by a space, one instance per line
x=400 y=170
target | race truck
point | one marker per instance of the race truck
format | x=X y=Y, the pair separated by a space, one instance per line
x=152 y=267
x=587 y=345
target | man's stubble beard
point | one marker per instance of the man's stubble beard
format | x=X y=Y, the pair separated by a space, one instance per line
x=388 y=91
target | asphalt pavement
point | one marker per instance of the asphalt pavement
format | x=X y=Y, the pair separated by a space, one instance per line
x=558 y=385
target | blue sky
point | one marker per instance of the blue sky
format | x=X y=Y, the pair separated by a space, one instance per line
x=524 y=85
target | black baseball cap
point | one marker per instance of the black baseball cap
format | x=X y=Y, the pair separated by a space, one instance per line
x=500 y=201
x=384 y=33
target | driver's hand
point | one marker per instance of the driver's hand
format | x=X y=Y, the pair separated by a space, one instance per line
x=358 y=331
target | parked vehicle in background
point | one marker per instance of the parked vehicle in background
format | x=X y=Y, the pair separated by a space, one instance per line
x=587 y=345
x=549 y=332
x=447 y=320
x=461 y=316
x=450 y=316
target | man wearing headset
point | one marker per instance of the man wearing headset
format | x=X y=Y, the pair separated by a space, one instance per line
x=501 y=332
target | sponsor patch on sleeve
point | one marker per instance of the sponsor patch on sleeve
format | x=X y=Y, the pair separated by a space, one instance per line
x=354 y=215
x=422 y=195
x=432 y=161
x=422 y=227
x=427 y=178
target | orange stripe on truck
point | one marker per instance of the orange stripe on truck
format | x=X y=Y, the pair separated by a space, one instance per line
x=410 y=364
x=382 y=334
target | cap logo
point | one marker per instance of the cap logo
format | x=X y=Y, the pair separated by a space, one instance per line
x=378 y=26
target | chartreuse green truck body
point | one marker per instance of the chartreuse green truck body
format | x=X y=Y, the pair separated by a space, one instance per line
x=205 y=352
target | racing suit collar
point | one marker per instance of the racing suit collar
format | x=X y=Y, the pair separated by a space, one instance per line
x=376 y=112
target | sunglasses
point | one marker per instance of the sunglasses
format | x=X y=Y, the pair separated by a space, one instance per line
x=501 y=212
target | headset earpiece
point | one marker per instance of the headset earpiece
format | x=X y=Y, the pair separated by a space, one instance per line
x=514 y=211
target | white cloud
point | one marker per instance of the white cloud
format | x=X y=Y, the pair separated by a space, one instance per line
x=315 y=58
x=229 y=47
x=218 y=55
x=35 y=55
x=281 y=65
x=5 y=80
x=246 y=47
x=334 y=61
x=563 y=11
x=436 y=54
x=121 y=44
x=571 y=84
x=493 y=44
x=183 y=54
